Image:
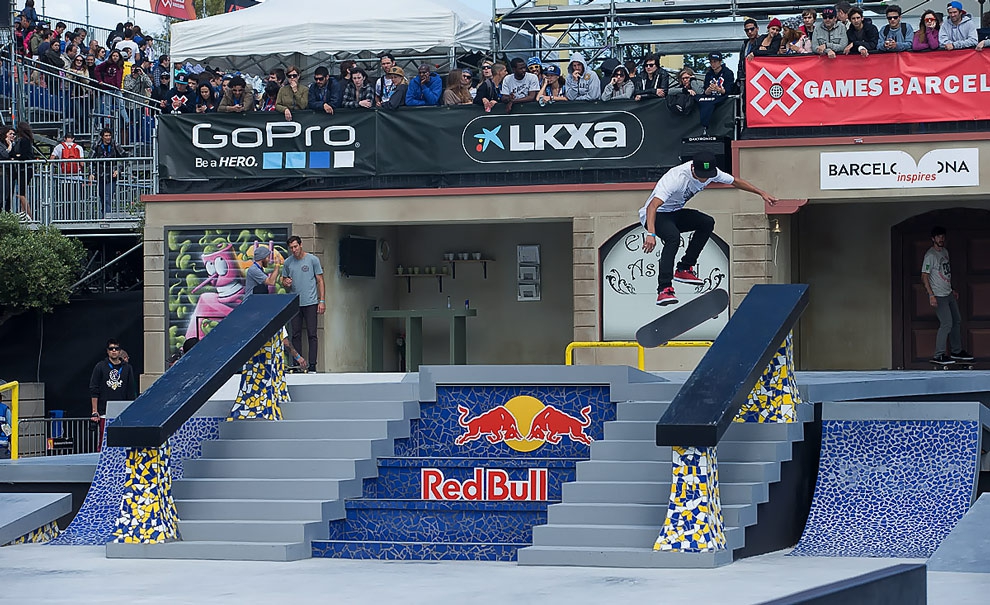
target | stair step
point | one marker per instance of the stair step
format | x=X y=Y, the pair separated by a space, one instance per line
x=298 y=448
x=213 y=551
x=315 y=429
x=641 y=410
x=614 y=449
x=350 y=410
x=252 y=489
x=642 y=492
x=624 y=557
x=415 y=551
x=742 y=472
x=632 y=536
x=625 y=470
x=645 y=430
x=764 y=431
x=279 y=468
x=567 y=513
x=247 y=530
x=753 y=451
x=260 y=510
x=378 y=391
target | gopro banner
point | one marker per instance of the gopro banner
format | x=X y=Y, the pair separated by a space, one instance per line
x=897 y=169
x=884 y=88
x=427 y=141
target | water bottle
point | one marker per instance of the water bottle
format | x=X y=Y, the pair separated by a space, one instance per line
x=448 y=302
x=467 y=304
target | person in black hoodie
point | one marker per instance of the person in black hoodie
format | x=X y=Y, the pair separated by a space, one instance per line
x=112 y=379
x=863 y=35
x=769 y=44
x=655 y=80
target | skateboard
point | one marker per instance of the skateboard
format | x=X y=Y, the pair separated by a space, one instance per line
x=683 y=318
x=958 y=365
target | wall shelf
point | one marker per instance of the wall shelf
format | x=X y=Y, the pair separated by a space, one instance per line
x=483 y=262
x=409 y=277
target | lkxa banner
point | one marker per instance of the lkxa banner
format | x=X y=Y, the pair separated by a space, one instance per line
x=884 y=88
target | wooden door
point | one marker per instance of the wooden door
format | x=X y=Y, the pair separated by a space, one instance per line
x=915 y=323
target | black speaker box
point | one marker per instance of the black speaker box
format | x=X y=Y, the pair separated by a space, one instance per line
x=5 y=13
x=717 y=145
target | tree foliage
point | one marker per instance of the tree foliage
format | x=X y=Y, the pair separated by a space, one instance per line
x=213 y=7
x=37 y=267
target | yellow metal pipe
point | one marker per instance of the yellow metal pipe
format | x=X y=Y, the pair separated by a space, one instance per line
x=613 y=344
x=14 y=388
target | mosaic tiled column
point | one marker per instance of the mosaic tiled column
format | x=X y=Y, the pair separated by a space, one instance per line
x=39 y=536
x=147 y=510
x=775 y=397
x=263 y=384
x=694 y=515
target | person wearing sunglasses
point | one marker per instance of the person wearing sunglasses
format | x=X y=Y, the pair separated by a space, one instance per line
x=655 y=80
x=292 y=96
x=896 y=35
x=748 y=48
x=112 y=380
x=324 y=93
x=926 y=38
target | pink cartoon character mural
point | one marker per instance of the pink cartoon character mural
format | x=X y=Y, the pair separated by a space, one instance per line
x=227 y=277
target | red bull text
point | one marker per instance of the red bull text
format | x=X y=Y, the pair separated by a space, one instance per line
x=488 y=484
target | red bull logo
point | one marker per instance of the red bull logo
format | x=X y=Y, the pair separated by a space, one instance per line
x=524 y=423
x=486 y=485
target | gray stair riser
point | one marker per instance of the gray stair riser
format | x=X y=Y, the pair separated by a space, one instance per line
x=315 y=429
x=267 y=468
x=624 y=470
x=748 y=472
x=606 y=514
x=298 y=448
x=629 y=558
x=640 y=410
x=754 y=451
x=213 y=551
x=632 y=430
x=654 y=493
x=738 y=515
x=215 y=489
x=399 y=391
x=350 y=410
x=764 y=431
x=260 y=510
x=651 y=391
x=253 y=531
x=629 y=450
x=614 y=536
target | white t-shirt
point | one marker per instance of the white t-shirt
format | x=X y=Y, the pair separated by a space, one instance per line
x=127 y=44
x=520 y=88
x=936 y=265
x=678 y=186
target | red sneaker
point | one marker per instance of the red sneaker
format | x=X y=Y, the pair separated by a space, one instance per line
x=687 y=276
x=666 y=297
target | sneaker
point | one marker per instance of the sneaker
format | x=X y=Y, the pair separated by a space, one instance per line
x=942 y=359
x=687 y=276
x=666 y=297
x=962 y=355
x=312 y=368
x=23 y=217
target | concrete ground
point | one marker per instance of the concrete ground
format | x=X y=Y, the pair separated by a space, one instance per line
x=81 y=574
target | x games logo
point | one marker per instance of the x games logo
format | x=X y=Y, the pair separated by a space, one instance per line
x=775 y=91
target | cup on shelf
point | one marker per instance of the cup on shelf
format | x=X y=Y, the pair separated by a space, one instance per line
x=476 y=255
x=462 y=256
x=431 y=270
x=448 y=256
x=415 y=270
x=399 y=270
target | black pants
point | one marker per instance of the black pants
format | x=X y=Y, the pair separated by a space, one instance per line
x=307 y=314
x=669 y=227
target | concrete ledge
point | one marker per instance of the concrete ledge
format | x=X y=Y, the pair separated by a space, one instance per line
x=904 y=410
x=23 y=513
x=965 y=548
x=74 y=468
x=218 y=408
x=905 y=584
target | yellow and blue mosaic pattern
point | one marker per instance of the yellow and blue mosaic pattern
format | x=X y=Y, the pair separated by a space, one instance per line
x=263 y=384
x=41 y=535
x=694 y=516
x=775 y=397
x=147 y=510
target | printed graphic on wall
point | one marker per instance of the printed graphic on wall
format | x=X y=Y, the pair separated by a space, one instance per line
x=629 y=284
x=205 y=274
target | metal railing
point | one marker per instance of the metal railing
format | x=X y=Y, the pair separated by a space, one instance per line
x=57 y=437
x=78 y=190
x=100 y=34
x=640 y=351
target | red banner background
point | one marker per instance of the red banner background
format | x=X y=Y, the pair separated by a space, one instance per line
x=884 y=88
x=177 y=9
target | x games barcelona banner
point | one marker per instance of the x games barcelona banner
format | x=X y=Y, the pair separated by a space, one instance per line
x=884 y=88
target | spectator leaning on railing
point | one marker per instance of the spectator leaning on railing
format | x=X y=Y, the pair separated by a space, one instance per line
x=582 y=83
x=926 y=38
x=321 y=91
x=359 y=93
x=862 y=34
x=830 y=36
x=654 y=80
x=293 y=95
x=399 y=86
x=487 y=94
x=959 y=31
x=520 y=86
x=238 y=98
x=896 y=36
x=769 y=44
x=425 y=89
x=619 y=86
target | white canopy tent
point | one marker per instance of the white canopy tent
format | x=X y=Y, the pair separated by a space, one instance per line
x=286 y=30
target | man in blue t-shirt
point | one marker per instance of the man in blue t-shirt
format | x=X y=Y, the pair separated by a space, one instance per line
x=302 y=274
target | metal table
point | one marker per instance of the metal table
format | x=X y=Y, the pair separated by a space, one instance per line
x=414 y=335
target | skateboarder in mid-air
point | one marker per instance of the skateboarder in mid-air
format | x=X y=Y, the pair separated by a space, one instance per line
x=665 y=216
x=937 y=277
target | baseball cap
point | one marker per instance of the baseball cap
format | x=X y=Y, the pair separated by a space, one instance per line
x=395 y=70
x=262 y=252
x=533 y=61
x=552 y=69
x=954 y=4
x=714 y=56
x=704 y=165
x=828 y=13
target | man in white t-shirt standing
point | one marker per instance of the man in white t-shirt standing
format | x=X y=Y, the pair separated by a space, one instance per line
x=521 y=86
x=665 y=216
x=936 y=274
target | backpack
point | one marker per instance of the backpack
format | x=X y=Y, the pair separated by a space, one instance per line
x=71 y=153
x=680 y=103
x=886 y=30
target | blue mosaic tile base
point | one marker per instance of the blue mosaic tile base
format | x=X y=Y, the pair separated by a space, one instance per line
x=94 y=523
x=890 y=488
x=401 y=477
x=394 y=551
x=436 y=521
x=440 y=423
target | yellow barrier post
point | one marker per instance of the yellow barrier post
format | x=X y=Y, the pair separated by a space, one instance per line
x=612 y=344
x=14 y=388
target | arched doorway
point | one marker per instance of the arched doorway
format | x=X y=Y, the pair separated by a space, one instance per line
x=914 y=321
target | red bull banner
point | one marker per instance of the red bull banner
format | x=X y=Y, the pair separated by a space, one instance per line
x=884 y=88
x=487 y=485
x=177 y=9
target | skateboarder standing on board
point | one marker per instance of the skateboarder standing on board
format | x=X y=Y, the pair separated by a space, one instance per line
x=665 y=216
x=937 y=277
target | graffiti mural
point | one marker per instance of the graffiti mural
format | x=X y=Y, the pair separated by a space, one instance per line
x=205 y=269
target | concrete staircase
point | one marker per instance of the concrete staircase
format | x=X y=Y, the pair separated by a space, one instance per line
x=612 y=514
x=265 y=490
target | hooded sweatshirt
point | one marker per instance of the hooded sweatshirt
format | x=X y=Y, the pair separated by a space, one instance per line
x=866 y=36
x=585 y=88
x=834 y=39
x=960 y=36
